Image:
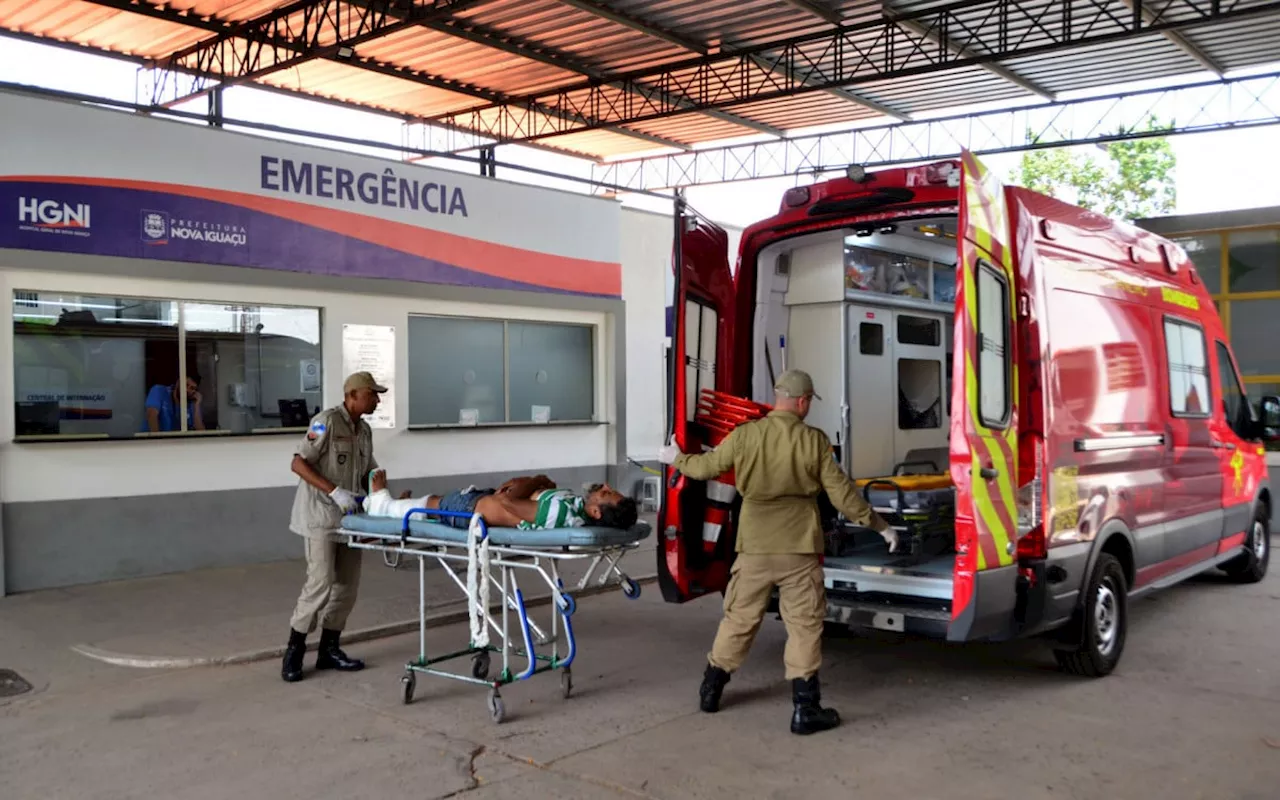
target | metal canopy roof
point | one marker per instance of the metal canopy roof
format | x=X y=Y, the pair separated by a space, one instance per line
x=610 y=78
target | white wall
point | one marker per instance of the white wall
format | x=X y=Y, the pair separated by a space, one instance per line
x=52 y=471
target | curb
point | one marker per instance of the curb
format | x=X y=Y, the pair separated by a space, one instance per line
x=436 y=620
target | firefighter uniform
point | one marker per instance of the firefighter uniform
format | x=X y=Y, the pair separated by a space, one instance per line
x=780 y=464
x=338 y=447
x=342 y=451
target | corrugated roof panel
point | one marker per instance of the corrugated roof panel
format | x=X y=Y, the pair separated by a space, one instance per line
x=341 y=82
x=96 y=26
x=806 y=111
x=606 y=144
x=436 y=53
x=1241 y=44
x=1151 y=56
x=931 y=92
x=690 y=128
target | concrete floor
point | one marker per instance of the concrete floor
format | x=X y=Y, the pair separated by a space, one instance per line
x=1193 y=711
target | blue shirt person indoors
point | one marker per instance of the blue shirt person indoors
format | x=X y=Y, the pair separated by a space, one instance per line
x=162 y=407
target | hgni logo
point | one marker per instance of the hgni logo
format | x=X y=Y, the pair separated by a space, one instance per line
x=53 y=216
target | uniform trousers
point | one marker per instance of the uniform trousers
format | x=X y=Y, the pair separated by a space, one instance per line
x=333 y=581
x=802 y=601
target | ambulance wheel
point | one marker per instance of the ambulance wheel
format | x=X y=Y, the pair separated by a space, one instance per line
x=631 y=589
x=480 y=666
x=409 y=684
x=1251 y=567
x=1105 y=618
x=566 y=683
x=497 y=712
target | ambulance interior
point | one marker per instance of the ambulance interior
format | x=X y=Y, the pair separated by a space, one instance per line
x=867 y=310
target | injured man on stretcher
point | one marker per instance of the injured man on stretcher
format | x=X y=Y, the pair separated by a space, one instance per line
x=527 y=503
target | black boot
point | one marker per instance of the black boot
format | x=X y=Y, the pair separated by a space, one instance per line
x=291 y=671
x=330 y=656
x=810 y=716
x=713 y=683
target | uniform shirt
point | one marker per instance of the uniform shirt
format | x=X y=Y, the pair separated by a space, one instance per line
x=780 y=465
x=340 y=450
x=557 y=508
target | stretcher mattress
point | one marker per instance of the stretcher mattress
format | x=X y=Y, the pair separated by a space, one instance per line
x=554 y=537
x=924 y=492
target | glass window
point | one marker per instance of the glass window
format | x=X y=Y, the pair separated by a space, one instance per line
x=919 y=330
x=1206 y=253
x=1235 y=409
x=871 y=270
x=1254 y=260
x=1255 y=329
x=944 y=283
x=110 y=367
x=702 y=326
x=456 y=371
x=465 y=371
x=552 y=372
x=260 y=366
x=919 y=394
x=993 y=350
x=1188 y=375
x=871 y=339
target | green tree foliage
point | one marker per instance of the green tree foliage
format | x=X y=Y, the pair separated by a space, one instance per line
x=1125 y=180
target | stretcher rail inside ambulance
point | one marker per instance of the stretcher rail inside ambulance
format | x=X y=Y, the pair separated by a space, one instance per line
x=1041 y=401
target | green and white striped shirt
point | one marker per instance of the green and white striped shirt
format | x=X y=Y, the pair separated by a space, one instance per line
x=557 y=508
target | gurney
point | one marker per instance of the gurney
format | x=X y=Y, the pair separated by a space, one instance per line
x=470 y=558
x=921 y=507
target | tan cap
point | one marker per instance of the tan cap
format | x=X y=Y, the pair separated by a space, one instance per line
x=362 y=380
x=795 y=383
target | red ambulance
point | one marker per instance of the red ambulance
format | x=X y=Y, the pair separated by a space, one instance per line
x=1041 y=399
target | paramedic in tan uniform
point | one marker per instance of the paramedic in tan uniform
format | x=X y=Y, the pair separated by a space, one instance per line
x=331 y=461
x=781 y=465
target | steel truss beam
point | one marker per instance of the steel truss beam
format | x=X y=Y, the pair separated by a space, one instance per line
x=991 y=30
x=299 y=32
x=1193 y=108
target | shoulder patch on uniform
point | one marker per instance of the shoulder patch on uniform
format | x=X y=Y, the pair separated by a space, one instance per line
x=316 y=430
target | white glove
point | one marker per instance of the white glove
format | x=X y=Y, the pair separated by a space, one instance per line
x=668 y=452
x=890 y=538
x=344 y=500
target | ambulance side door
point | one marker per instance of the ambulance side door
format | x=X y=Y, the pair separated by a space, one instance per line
x=694 y=553
x=984 y=453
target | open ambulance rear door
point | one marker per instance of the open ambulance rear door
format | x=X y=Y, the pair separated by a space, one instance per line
x=695 y=518
x=984 y=442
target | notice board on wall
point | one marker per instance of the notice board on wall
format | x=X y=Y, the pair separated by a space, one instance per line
x=372 y=349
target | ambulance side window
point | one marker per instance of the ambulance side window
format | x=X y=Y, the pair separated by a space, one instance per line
x=1188 y=368
x=993 y=346
x=1235 y=407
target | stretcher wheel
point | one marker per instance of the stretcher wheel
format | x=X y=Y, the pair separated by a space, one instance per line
x=567 y=605
x=480 y=666
x=410 y=683
x=497 y=712
x=631 y=589
x=566 y=682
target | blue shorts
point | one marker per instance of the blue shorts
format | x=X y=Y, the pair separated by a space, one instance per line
x=463 y=501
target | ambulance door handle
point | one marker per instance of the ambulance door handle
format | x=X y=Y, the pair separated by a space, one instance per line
x=1217 y=445
x=989 y=473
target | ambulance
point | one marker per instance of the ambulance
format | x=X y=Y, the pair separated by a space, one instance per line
x=1040 y=399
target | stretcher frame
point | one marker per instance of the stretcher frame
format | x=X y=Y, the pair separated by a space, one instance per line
x=507 y=559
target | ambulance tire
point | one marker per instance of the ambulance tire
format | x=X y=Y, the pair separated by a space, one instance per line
x=1105 y=617
x=1251 y=567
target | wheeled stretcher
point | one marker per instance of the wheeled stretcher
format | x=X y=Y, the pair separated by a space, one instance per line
x=479 y=559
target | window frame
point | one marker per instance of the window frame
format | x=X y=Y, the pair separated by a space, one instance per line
x=1007 y=360
x=593 y=327
x=1174 y=319
x=1223 y=351
x=183 y=434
